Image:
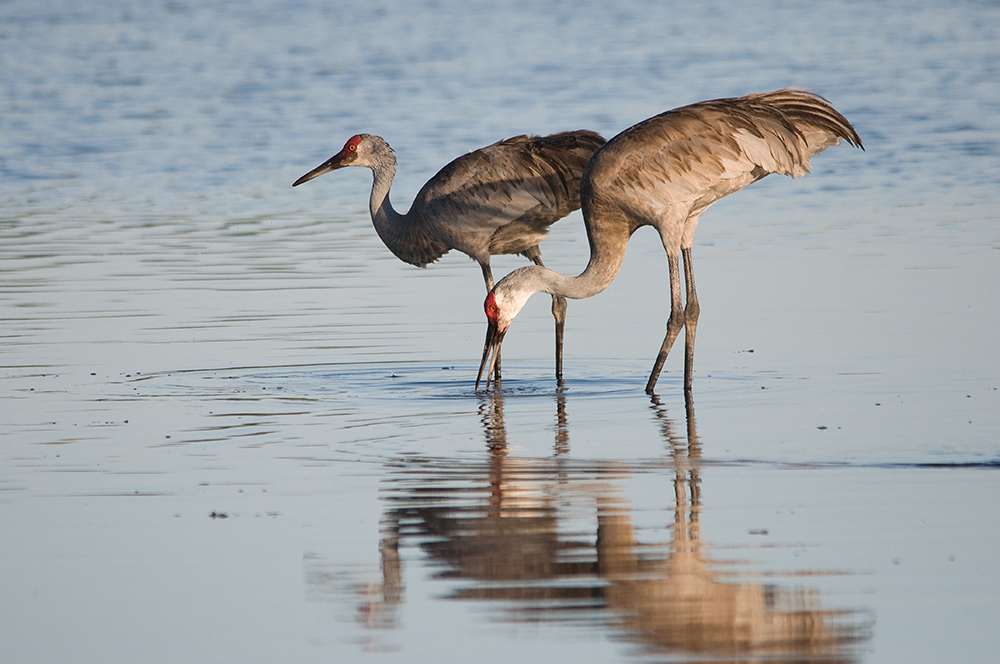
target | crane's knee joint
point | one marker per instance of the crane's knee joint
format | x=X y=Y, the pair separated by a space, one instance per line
x=691 y=311
x=558 y=307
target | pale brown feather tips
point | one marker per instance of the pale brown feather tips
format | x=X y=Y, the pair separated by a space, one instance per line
x=819 y=122
x=692 y=148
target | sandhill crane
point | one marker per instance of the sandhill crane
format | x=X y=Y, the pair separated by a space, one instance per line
x=664 y=172
x=499 y=199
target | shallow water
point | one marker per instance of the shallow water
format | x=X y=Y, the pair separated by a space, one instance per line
x=236 y=428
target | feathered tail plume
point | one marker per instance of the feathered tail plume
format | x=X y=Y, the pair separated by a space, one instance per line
x=820 y=123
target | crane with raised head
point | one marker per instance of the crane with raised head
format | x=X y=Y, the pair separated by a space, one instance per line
x=499 y=199
x=665 y=172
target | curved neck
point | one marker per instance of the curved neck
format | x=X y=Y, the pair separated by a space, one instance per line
x=405 y=235
x=607 y=249
x=608 y=236
x=384 y=217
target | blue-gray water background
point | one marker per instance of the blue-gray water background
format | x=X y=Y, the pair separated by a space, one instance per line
x=185 y=335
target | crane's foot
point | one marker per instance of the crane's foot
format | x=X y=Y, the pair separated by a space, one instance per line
x=651 y=383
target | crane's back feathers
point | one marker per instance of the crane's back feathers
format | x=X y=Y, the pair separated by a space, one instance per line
x=681 y=161
x=502 y=198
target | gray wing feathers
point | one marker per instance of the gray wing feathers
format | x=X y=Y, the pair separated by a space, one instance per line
x=415 y=246
x=502 y=198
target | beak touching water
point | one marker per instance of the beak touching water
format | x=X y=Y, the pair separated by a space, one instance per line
x=494 y=337
x=491 y=351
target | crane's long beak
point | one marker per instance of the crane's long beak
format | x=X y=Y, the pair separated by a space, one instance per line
x=331 y=164
x=491 y=350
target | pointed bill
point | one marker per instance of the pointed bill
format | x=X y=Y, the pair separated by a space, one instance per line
x=331 y=164
x=491 y=350
x=347 y=156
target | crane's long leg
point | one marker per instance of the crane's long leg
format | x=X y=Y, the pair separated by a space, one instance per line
x=674 y=323
x=558 y=313
x=488 y=278
x=691 y=311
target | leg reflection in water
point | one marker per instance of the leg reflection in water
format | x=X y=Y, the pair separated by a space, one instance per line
x=555 y=538
x=681 y=602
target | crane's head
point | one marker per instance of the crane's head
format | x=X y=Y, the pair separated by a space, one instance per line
x=502 y=304
x=354 y=153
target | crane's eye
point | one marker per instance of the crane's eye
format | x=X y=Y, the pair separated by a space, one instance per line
x=353 y=143
x=492 y=310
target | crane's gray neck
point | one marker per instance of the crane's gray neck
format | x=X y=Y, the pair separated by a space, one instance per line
x=384 y=217
x=606 y=256
x=403 y=234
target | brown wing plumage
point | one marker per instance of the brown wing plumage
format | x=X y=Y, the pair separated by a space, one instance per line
x=502 y=198
x=683 y=160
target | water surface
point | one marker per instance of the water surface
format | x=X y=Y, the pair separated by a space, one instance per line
x=236 y=428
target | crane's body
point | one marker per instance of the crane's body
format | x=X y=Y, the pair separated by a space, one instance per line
x=500 y=199
x=665 y=172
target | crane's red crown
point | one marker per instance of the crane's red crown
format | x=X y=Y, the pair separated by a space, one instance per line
x=352 y=143
x=492 y=310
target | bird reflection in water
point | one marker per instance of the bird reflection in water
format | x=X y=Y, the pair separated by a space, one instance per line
x=554 y=540
x=681 y=602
